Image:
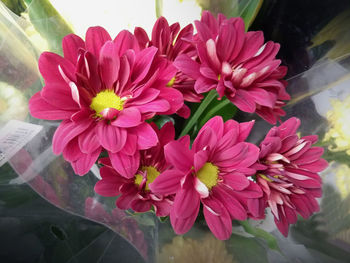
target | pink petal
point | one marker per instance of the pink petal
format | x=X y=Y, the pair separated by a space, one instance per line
x=216 y=124
x=71 y=45
x=124 y=201
x=41 y=109
x=128 y=117
x=95 y=38
x=167 y=133
x=200 y=158
x=110 y=137
x=187 y=66
x=316 y=167
x=205 y=140
x=49 y=64
x=141 y=206
x=125 y=41
x=146 y=136
x=167 y=182
x=174 y=97
x=180 y=156
x=110 y=183
x=143 y=63
x=65 y=132
x=82 y=165
x=220 y=226
x=203 y=85
x=244 y=130
x=187 y=199
x=237 y=181
x=88 y=141
x=125 y=165
x=243 y=101
x=183 y=225
x=158 y=105
x=130 y=146
x=109 y=64
x=289 y=127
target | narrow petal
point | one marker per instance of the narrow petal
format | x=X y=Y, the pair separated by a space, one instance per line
x=167 y=182
x=125 y=165
x=110 y=137
x=179 y=156
x=183 y=225
x=71 y=45
x=65 y=132
x=129 y=117
x=95 y=38
x=220 y=226
x=146 y=136
x=82 y=165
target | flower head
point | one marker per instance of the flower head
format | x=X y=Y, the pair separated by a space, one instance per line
x=214 y=172
x=172 y=42
x=134 y=189
x=103 y=90
x=237 y=64
x=288 y=174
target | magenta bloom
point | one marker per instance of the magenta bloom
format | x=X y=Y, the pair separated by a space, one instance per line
x=237 y=64
x=134 y=190
x=103 y=90
x=171 y=42
x=289 y=174
x=214 y=172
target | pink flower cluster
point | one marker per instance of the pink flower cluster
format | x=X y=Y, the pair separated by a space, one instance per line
x=107 y=92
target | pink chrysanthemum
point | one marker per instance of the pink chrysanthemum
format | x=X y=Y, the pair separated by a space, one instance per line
x=171 y=42
x=103 y=90
x=237 y=64
x=289 y=174
x=134 y=191
x=214 y=172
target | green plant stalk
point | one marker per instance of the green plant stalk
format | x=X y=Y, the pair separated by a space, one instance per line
x=204 y=104
x=159 y=8
x=215 y=109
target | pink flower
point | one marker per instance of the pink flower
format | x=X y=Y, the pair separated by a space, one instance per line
x=289 y=174
x=134 y=191
x=103 y=90
x=214 y=172
x=237 y=64
x=171 y=42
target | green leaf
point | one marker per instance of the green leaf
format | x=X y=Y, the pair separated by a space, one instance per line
x=16 y=6
x=223 y=108
x=258 y=232
x=203 y=105
x=250 y=11
x=48 y=22
x=246 y=250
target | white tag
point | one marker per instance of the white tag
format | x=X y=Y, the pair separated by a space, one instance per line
x=13 y=136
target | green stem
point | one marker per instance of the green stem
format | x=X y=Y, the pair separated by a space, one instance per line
x=204 y=104
x=215 y=109
x=159 y=8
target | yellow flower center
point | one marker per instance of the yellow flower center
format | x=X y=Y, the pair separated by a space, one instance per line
x=208 y=175
x=152 y=174
x=171 y=82
x=106 y=99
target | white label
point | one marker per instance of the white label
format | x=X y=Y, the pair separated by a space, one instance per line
x=13 y=136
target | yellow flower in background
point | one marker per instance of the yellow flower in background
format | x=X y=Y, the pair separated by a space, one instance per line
x=205 y=250
x=13 y=104
x=338 y=119
x=342 y=180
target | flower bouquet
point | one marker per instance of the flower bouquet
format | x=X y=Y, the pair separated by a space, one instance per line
x=171 y=130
